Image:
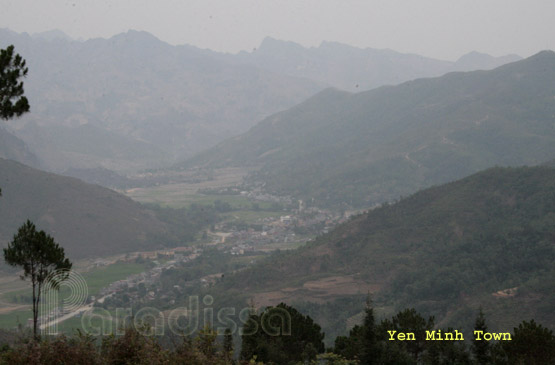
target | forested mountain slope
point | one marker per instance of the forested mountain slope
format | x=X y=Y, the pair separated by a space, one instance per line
x=488 y=239
x=370 y=147
x=87 y=220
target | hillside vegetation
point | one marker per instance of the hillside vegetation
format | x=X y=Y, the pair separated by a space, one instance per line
x=488 y=239
x=367 y=148
x=88 y=220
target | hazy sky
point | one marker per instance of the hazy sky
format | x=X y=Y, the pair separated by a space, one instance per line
x=437 y=28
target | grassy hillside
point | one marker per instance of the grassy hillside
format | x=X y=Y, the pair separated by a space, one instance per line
x=87 y=220
x=366 y=148
x=488 y=240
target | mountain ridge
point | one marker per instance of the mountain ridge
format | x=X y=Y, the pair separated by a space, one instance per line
x=355 y=69
x=177 y=100
x=376 y=145
x=86 y=219
x=446 y=251
x=13 y=148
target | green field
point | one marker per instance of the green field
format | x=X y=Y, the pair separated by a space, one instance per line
x=174 y=196
x=13 y=319
x=101 y=277
x=100 y=321
x=96 y=279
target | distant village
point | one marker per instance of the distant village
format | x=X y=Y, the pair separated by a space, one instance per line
x=295 y=226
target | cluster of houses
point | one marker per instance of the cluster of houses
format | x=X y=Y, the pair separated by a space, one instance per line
x=149 y=278
x=281 y=230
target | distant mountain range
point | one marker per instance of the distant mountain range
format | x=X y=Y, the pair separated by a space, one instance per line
x=133 y=102
x=486 y=240
x=138 y=98
x=366 y=148
x=355 y=69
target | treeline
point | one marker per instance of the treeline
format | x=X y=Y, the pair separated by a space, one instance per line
x=282 y=335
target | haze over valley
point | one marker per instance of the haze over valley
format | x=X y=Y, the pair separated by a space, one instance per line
x=358 y=191
x=132 y=102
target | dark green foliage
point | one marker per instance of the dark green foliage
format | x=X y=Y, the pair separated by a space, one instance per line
x=447 y=352
x=371 y=351
x=12 y=70
x=350 y=347
x=131 y=348
x=531 y=344
x=332 y=315
x=481 y=349
x=281 y=335
x=90 y=220
x=369 y=342
x=408 y=320
x=58 y=351
x=13 y=104
x=39 y=256
x=442 y=250
x=228 y=344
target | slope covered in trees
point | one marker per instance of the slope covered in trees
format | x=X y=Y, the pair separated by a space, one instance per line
x=87 y=220
x=367 y=148
x=488 y=239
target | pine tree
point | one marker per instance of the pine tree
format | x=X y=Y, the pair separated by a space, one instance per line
x=12 y=70
x=39 y=256
x=481 y=349
x=228 y=345
x=370 y=349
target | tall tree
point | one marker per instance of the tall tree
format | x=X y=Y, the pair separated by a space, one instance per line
x=12 y=70
x=481 y=349
x=281 y=335
x=228 y=345
x=408 y=321
x=39 y=256
x=370 y=347
x=531 y=344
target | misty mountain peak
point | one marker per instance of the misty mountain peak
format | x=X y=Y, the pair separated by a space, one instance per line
x=272 y=45
x=52 y=35
x=478 y=60
x=135 y=36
